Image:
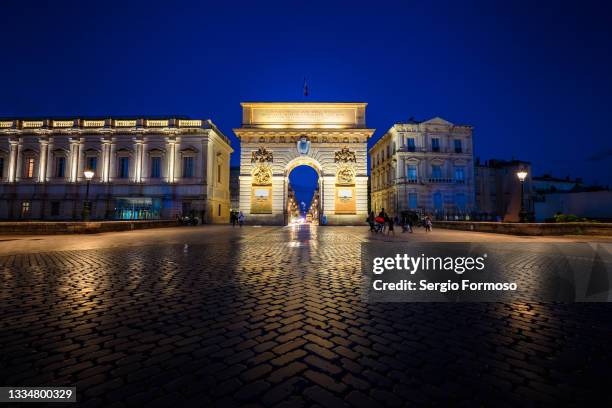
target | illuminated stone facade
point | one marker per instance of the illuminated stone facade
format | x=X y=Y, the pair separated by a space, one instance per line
x=425 y=167
x=143 y=169
x=331 y=138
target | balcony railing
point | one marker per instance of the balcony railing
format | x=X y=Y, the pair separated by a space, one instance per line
x=440 y=180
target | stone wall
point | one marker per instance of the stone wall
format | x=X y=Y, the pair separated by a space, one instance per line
x=92 y=227
x=569 y=228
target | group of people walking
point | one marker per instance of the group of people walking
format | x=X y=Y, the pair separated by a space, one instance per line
x=237 y=218
x=383 y=223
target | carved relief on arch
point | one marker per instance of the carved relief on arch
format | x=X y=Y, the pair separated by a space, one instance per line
x=345 y=156
x=261 y=155
x=345 y=174
x=262 y=174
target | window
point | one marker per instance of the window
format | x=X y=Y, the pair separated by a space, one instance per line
x=218 y=174
x=187 y=166
x=219 y=211
x=459 y=174
x=55 y=208
x=92 y=163
x=155 y=167
x=458 y=147
x=437 y=199
x=412 y=172
x=29 y=168
x=460 y=201
x=60 y=167
x=436 y=171
x=1 y=167
x=435 y=144
x=412 y=200
x=411 y=144
x=186 y=206
x=25 y=208
x=124 y=167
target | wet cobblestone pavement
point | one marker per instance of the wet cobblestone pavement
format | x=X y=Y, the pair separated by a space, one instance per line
x=274 y=317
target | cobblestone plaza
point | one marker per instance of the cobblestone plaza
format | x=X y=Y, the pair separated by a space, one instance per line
x=273 y=316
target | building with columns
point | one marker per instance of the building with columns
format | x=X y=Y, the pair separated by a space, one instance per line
x=425 y=167
x=143 y=169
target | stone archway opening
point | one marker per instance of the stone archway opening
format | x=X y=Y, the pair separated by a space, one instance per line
x=303 y=195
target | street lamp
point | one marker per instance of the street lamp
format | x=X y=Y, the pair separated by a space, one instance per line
x=522 y=174
x=88 y=176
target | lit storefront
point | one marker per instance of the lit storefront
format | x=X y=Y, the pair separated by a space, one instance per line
x=139 y=208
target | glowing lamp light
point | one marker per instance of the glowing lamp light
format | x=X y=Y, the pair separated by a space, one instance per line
x=522 y=174
x=88 y=174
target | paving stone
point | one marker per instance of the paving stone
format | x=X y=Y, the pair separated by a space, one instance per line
x=243 y=319
x=325 y=381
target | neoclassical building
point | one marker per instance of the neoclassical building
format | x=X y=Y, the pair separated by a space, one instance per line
x=425 y=167
x=276 y=138
x=143 y=168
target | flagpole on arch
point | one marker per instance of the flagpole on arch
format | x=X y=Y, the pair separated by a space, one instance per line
x=305 y=88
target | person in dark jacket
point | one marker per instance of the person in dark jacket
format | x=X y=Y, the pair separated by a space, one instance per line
x=370 y=221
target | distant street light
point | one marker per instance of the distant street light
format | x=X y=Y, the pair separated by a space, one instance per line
x=522 y=175
x=86 y=210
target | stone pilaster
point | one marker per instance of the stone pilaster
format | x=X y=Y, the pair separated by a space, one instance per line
x=13 y=159
x=138 y=158
x=171 y=148
x=42 y=164
x=75 y=151
x=50 y=159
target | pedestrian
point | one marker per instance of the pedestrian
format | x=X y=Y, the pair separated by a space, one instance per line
x=383 y=215
x=240 y=219
x=404 y=222
x=370 y=221
x=428 y=224
x=389 y=222
x=233 y=218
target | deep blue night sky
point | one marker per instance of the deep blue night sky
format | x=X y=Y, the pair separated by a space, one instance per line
x=534 y=81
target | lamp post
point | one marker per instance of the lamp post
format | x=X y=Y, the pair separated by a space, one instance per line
x=86 y=210
x=522 y=174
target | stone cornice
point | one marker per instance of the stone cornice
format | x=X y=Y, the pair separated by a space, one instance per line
x=253 y=135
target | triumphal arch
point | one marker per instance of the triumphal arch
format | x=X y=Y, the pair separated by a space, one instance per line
x=275 y=138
